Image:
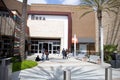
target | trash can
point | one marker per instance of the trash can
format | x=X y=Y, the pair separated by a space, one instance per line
x=5 y=69
x=118 y=61
x=115 y=62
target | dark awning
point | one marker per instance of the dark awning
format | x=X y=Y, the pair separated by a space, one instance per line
x=86 y=40
x=3 y=6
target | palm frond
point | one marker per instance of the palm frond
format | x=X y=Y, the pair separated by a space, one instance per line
x=87 y=12
x=106 y=11
x=110 y=10
x=114 y=6
x=97 y=3
x=113 y=3
x=87 y=2
x=101 y=2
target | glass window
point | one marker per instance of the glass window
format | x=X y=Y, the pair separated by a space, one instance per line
x=0 y=20
x=32 y=42
x=36 y=42
x=44 y=18
x=40 y=46
x=54 y=51
x=32 y=51
x=35 y=51
x=0 y=45
x=50 y=46
x=32 y=17
x=58 y=47
x=36 y=18
x=40 y=18
x=54 y=47
x=36 y=47
x=32 y=47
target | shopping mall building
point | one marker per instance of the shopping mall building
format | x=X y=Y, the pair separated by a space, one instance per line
x=53 y=27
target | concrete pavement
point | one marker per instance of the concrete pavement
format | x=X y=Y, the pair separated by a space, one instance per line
x=53 y=68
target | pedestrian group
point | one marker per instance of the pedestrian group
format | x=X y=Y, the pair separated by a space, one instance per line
x=45 y=54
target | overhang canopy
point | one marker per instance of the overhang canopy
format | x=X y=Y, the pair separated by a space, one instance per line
x=3 y=6
x=86 y=40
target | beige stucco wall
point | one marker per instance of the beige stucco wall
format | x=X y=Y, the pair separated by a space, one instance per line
x=84 y=27
x=111 y=24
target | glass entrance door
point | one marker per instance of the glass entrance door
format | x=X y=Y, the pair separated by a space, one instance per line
x=40 y=46
x=51 y=45
x=50 y=49
x=46 y=46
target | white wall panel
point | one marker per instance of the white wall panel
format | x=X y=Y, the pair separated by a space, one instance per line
x=51 y=27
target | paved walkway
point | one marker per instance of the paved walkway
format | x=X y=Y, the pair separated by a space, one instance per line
x=53 y=70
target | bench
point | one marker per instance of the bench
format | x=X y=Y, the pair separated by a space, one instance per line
x=80 y=56
x=94 y=59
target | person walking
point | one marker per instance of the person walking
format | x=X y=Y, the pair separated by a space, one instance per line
x=63 y=53
x=43 y=52
x=47 y=54
x=66 y=54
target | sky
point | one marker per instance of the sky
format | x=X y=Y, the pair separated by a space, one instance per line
x=64 y=2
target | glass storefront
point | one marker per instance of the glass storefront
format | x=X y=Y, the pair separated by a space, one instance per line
x=51 y=45
x=7 y=26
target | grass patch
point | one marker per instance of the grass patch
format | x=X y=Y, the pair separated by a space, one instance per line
x=17 y=66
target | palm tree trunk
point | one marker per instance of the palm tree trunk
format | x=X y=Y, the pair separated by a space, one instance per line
x=100 y=35
x=23 y=30
x=99 y=17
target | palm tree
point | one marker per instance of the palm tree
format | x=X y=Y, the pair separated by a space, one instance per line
x=23 y=30
x=100 y=6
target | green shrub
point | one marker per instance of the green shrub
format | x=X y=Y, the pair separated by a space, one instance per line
x=108 y=50
x=17 y=66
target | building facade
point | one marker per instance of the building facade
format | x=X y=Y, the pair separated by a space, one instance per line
x=53 y=26
x=7 y=27
x=10 y=28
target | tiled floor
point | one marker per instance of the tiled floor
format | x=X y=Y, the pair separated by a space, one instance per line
x=54 y=68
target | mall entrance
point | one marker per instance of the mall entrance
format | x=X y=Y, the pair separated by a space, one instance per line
x=51 y=45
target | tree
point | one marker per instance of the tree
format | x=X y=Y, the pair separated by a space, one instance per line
x=23 y=30
x=100 y=6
